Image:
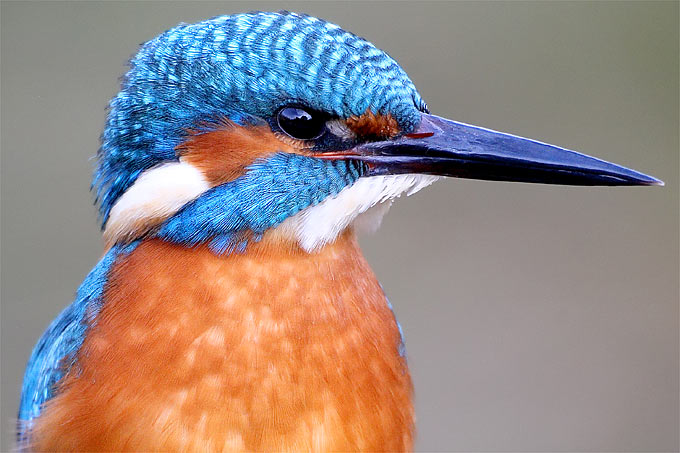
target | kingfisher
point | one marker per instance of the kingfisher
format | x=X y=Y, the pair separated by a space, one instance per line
x=232 y=309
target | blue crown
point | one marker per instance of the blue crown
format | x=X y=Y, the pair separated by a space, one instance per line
x=236 y=67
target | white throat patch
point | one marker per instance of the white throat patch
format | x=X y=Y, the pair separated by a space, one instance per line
x=157 y=194
x=361 y=205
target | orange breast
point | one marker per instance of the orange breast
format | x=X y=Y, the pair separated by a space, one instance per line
x=273 y=350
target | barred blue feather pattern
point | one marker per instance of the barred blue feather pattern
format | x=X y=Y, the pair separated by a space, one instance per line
x=195 y=73
x=54 y=355
x=271 y=190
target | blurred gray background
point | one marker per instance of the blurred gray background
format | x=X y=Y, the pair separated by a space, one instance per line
x=537 y=318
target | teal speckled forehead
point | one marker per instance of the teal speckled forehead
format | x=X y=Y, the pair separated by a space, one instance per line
x=240 y=66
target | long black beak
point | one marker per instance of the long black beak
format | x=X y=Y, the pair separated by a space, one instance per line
x=443 y=147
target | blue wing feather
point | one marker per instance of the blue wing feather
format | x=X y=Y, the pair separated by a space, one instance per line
x=55 y=353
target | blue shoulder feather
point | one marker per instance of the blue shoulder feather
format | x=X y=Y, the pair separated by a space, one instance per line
x=54 y=355
x=402 y=342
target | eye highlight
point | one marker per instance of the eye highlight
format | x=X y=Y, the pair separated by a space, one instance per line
x=301 y=123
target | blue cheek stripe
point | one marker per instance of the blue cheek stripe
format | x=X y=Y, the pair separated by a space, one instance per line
x=55 y=354
x=271 y=190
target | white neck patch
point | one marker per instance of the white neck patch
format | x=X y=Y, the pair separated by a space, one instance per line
x=361 y=205
x=157 y=194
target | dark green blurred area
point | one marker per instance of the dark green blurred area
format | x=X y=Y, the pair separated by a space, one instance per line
x=537 y=318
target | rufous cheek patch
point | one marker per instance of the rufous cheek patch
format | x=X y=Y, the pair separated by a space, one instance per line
x=223 y=154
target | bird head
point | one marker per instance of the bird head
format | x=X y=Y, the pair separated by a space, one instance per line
x=243 y=124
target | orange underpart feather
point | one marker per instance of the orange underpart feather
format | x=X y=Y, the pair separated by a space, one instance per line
x=224 y=153
x=370 y=125
x=272 y=350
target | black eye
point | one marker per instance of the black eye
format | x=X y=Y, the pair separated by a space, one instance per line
x=300 y=123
